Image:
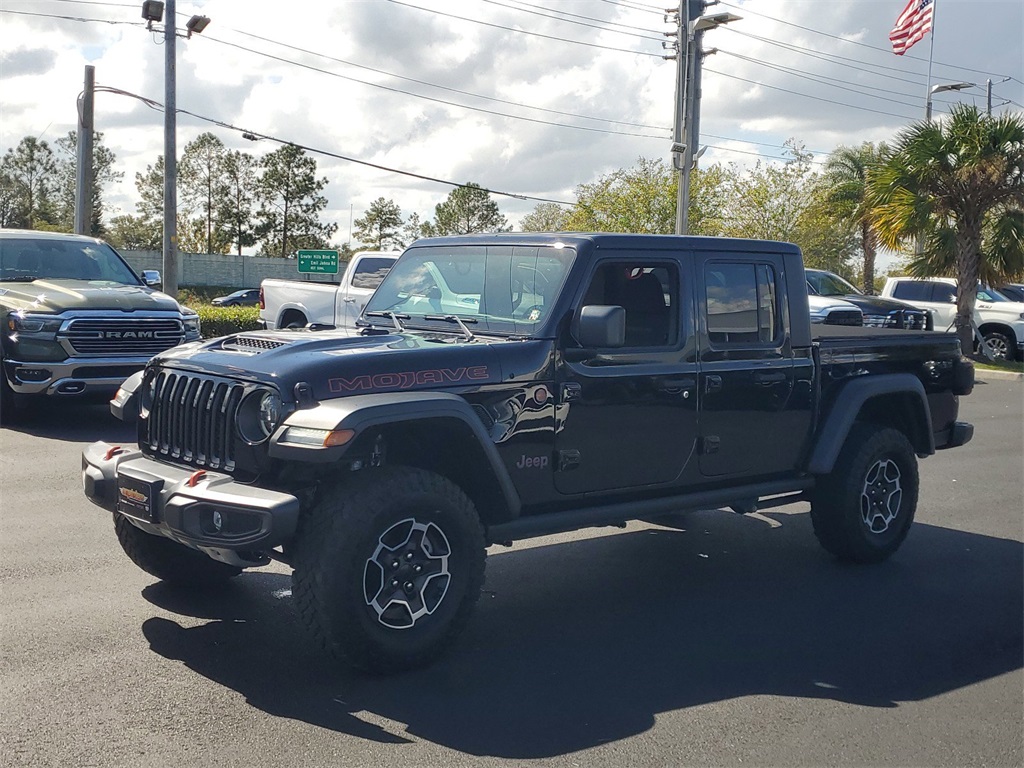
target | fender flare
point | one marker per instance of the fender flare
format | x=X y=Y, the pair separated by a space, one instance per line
x=847 y=405
x=362 y=412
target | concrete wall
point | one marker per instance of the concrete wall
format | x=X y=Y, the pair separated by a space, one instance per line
x=226 y=270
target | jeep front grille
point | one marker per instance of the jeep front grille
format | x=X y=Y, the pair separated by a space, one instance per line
x=123 y=336
x=192 y=419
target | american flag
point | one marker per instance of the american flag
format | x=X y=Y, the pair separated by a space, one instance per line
x=913 y=24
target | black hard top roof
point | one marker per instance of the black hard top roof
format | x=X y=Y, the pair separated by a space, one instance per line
x=613 y=240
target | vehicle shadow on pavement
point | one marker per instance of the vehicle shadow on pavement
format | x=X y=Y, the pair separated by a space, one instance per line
x=578 y=644
x=71 y=420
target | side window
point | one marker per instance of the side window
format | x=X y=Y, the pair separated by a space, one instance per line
x=742 y=302
x=648 y=292
x=370 y=271
x=944 y=293
x=912 y=290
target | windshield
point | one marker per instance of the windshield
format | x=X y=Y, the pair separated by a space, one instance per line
x=503 y=289
x=828 y=284
x=988 y=294
x=23 y=259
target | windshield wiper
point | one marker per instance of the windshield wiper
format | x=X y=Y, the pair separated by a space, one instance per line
x=396 y=319
x=456 y=319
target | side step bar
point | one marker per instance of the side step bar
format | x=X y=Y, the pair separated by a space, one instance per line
x=617 y=514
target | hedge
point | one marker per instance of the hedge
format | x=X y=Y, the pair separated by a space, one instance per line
x=221 y=321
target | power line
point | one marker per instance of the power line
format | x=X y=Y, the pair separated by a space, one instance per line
x=71 y=18
x=635 y=6
x=809 y=96
x=526 y=32
x=820 y=79
x=427 y=98
x=153 y=104
x=524 y=8
x=440 y=87
x=831 y=58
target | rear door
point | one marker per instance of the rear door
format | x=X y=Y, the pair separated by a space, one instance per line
x=361 y=281
x=755 y=392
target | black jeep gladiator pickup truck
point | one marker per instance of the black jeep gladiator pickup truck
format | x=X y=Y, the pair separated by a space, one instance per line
x=508 y=386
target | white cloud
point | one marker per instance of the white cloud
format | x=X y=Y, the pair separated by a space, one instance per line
x=778 y=75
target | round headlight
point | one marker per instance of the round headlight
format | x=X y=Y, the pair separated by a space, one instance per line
x=270 y=412
x=258 y=416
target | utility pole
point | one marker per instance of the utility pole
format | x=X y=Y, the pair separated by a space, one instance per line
x=988 y=94
x=692 y=23
x=170 y=261
x=83 y=175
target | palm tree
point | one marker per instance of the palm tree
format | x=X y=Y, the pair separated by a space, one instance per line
x=959 y=184
x=846 y=174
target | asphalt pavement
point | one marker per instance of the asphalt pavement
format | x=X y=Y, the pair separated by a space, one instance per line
x=713 y=639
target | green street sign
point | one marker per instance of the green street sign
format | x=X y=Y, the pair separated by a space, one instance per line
x=322 y=262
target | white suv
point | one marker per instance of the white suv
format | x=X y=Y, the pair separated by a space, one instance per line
x=1000 y=321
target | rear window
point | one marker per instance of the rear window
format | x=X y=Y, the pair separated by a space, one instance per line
x=370 y=271
x=913 y=290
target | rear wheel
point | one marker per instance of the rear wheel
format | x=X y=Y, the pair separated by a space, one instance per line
x=1000 y=345
x=169 y=561
x=293 y=319
x=863 y=509
x=389 y=568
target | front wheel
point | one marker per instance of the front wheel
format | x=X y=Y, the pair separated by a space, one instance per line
x=863 y=509
x=389 y=567
x=169 y=561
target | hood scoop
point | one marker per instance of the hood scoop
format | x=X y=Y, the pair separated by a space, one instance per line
x=250 y=345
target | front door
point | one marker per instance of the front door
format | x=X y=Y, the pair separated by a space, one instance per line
x=628 y=416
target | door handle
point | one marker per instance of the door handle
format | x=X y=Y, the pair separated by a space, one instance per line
x=675 y=385
x=349 y=300
x=770 y=378
x=712 y=383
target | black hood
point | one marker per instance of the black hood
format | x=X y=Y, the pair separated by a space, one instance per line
x=339 y=363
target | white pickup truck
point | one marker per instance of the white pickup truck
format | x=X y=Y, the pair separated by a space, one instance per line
x=296 y=304
x=1000 y=321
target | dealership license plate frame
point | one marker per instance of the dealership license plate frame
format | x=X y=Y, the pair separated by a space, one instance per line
x=138 y=495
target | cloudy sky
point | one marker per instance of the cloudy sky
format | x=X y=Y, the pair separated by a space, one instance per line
x=531 y=97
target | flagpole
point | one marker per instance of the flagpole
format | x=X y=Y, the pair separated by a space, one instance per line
x=931 y=55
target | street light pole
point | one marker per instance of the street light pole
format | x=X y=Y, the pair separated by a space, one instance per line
x=170 y=244
x=689 y=134
x=939 y=89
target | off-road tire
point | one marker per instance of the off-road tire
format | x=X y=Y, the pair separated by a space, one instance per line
x=875 y=476
x=169 y=561
x=339 y=587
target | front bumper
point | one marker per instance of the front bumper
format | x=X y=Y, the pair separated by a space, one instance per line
x=208 y=511
x=960 y=433
x=72 y=376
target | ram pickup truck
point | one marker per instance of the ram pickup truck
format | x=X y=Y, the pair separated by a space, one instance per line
x=508 y=386
x=296 y=304
x=76 y=319
x=1000 y=321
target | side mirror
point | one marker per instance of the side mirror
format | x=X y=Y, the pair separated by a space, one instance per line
x=602 y=327
x=151 y=277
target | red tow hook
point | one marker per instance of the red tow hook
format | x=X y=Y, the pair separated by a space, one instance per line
x=112 y=451
x=195 y=477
